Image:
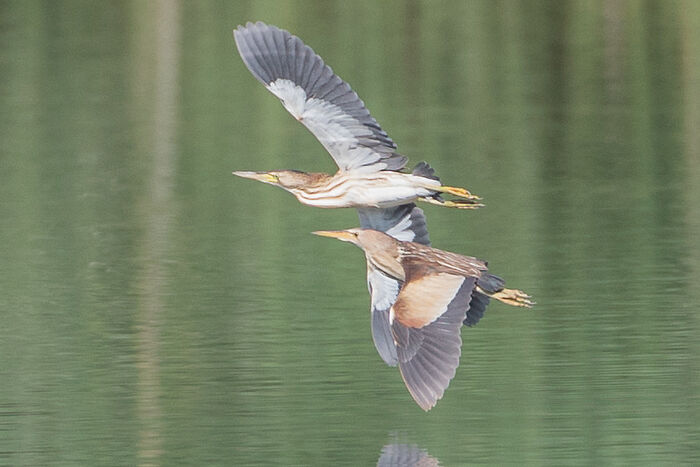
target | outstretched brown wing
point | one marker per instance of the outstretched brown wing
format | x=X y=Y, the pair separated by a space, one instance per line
x=317 y=97
x=425 y=323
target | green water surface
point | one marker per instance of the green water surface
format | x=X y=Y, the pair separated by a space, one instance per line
x=156 y=310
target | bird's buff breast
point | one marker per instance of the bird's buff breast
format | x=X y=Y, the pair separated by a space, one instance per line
x=380 y=190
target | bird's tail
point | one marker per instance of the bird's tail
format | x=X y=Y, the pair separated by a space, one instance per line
x=422 y=169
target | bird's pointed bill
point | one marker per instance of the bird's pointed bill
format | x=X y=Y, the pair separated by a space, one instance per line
x=339 y=234
x=264 y=177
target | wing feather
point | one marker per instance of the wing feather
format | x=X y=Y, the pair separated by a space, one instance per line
x=425 y=298
x=266 y=43
x=257 y=61
x=477 y=307
x=429 y=355
x=317 y=97
x=405 y=222
x=281 y=44
x=383 y=291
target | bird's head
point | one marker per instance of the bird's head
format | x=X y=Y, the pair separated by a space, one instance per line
x=287 y=179
x=381 y=250
x=366 y=239
x=348 y=235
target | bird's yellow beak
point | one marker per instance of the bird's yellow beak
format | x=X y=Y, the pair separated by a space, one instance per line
x=343 y=235
x=264 y=177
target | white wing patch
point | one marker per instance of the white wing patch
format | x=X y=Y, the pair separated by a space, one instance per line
x=332 y=122
x=402 y=230
x=364 y=160
x=383 y=289
x=337 y=131
x=293 y=97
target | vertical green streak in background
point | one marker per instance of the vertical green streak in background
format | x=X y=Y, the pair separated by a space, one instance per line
x=690 y=91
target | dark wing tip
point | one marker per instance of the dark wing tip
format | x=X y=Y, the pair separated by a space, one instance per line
x=477 y=308
x=429 y=356
x=271 y=54
x=381 y=335
x=259 y=51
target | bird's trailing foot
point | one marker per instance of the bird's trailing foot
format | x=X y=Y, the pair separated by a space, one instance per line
x=467 y=201
x=513 y=297
x=457 y=203
x=459 y=192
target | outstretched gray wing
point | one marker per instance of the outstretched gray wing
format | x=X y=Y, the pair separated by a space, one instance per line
x=317 y=97
x=407 y=223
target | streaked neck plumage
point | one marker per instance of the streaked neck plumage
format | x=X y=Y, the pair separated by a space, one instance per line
x=382 y=252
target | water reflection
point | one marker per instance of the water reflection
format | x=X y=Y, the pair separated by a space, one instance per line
x=405 y=455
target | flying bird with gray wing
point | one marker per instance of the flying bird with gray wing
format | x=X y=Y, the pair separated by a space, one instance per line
x=369 y=168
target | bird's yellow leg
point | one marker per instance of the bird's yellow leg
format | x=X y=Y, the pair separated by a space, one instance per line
x=459 y=192
x=513 y=297
x=459 y=204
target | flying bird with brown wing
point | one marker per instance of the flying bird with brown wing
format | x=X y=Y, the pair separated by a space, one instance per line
x=428 y=294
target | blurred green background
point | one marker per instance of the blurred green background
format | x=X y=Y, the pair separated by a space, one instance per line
x=155 y=310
